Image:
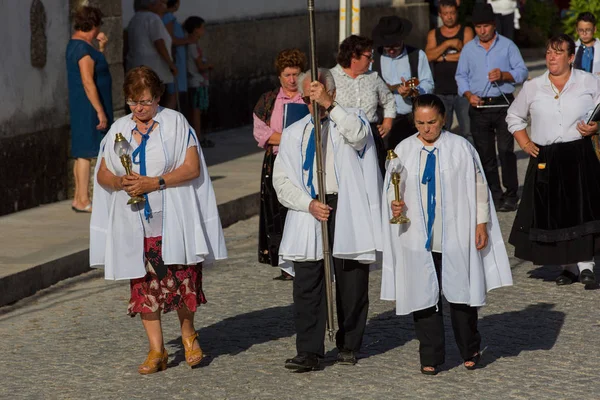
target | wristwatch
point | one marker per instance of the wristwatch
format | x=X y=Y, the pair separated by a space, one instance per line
x=332 y=106
x=161 y=183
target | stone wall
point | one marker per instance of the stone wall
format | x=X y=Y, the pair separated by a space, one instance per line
x=243 y=53
x=34 y=115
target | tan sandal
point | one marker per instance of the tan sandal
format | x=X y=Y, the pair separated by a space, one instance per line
x=156 y=361
x=190 y=353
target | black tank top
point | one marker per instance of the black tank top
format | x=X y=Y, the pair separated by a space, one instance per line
x=443 y=72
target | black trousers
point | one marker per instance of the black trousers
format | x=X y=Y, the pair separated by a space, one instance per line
x=488 y=126
x=505 y=25
x=310 y=305
x=429 y=327
x=379 y=148
x=402 y=128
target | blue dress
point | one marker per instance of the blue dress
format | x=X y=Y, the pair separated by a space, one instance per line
x=180 y=55
x=85 y=138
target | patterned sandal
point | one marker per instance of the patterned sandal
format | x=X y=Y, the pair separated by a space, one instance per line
x=156 y=361
x=190 y=353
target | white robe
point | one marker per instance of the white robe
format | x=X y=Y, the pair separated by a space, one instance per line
x=408 y=275
x=192 y=231
x=358 y=216
x=596 y=60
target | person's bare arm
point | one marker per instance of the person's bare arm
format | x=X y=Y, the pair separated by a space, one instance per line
x=161 y=47
x=177 y=41
x=86 y=69
x=275 y=138
x=201 y=65
x=107 y=179
x=433 y=52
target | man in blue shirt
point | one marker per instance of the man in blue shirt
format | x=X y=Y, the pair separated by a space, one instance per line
x=488 y=69
x=397 y=64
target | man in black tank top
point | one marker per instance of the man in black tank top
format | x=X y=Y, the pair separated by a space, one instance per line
x=443 y=49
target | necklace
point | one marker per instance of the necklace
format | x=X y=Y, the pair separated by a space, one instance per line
x=554 y=89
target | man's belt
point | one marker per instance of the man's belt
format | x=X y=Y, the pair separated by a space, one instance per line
x=497 y=100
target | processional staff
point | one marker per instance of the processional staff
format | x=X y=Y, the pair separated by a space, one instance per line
x=320 y=171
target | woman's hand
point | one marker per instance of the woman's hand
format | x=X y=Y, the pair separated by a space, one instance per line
x=385 y=127
x=137 y=185
x=102 y=41
x=531 y=149
x=587 y=129
x=102 y=121
x=481 y=236
x=397 y=208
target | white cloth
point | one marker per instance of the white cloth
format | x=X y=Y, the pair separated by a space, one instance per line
x=358 y=217
x=503 y=7
x=195 y=77
x=408 y=274
x=353 y=131
x=366 y=91
x=554 y=120
x=191 y=229
x=596 y=61
x=143 y=30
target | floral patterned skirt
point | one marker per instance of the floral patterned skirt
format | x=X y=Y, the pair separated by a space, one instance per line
x=165 y=288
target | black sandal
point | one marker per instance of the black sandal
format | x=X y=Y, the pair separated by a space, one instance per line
x=434 y=370
x=475 y=360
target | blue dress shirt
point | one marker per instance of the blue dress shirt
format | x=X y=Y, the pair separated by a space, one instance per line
x=475 y=63
x=392 y=69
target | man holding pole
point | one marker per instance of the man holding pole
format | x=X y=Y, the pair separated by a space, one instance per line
x=352 y=212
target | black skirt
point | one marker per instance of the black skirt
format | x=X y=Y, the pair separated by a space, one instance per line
x=272 y=214
x=558 y=221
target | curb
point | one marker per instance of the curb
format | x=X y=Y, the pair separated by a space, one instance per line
x=26 y=283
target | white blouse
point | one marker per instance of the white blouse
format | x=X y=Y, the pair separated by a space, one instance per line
x=554 y=120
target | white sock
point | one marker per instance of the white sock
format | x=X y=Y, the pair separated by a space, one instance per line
x=585 y=265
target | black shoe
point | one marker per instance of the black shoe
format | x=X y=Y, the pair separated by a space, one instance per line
x=567 y=277
x=284 y=277
x=475 y=360
x=587 y=277
x=508 y=205
x=346 y=357
x=302 y=363
x=431 y=369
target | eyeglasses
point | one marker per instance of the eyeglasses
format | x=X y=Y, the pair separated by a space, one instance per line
x=588 y=30
x=367 y=55
x=145 y=103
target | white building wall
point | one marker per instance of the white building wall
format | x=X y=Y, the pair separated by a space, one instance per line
x=32 y=99
x=227 y=10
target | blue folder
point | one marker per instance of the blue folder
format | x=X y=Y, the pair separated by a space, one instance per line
x=293 y=112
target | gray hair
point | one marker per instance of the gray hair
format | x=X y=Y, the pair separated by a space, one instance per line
x=325 y=77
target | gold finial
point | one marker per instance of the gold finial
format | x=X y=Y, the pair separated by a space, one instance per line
x=391 y=155
x=119 y=137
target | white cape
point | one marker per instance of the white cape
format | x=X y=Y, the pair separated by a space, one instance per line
x=192 y=231
x=358 y=216
x=408 y=274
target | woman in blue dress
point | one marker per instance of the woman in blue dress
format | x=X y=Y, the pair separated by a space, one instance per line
x=90 y=98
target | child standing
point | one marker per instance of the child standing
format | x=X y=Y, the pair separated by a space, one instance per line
x=587 y=48
x=198 y=77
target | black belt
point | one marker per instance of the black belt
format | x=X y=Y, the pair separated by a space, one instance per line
x=497 y=100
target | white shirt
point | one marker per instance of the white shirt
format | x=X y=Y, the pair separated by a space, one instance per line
x=503 y=7
x=366 y=92
x=596 y=61
x=483 y=204
x=195 y=77
x=143 y=30
x=354 y=133
x=554 y=120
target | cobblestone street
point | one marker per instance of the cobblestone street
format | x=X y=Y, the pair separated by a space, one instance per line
x=75 y=341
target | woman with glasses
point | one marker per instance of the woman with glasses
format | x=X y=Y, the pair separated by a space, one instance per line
x=90 y=98
x=558 y=222
x=161 y=243
x=358 y=87
x=268 y=127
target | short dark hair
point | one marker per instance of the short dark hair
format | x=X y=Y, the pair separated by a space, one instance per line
x=430 y=101
x=171 y=3
x=138 y=79
x=87 y=18
x=586 y=17
x=555 y=43
x=447 y=3
x=192 y=23
x=353 y=47
x=290 y=58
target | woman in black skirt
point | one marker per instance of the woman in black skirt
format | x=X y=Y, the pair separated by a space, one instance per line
x=268 y=126
x=558 y=221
